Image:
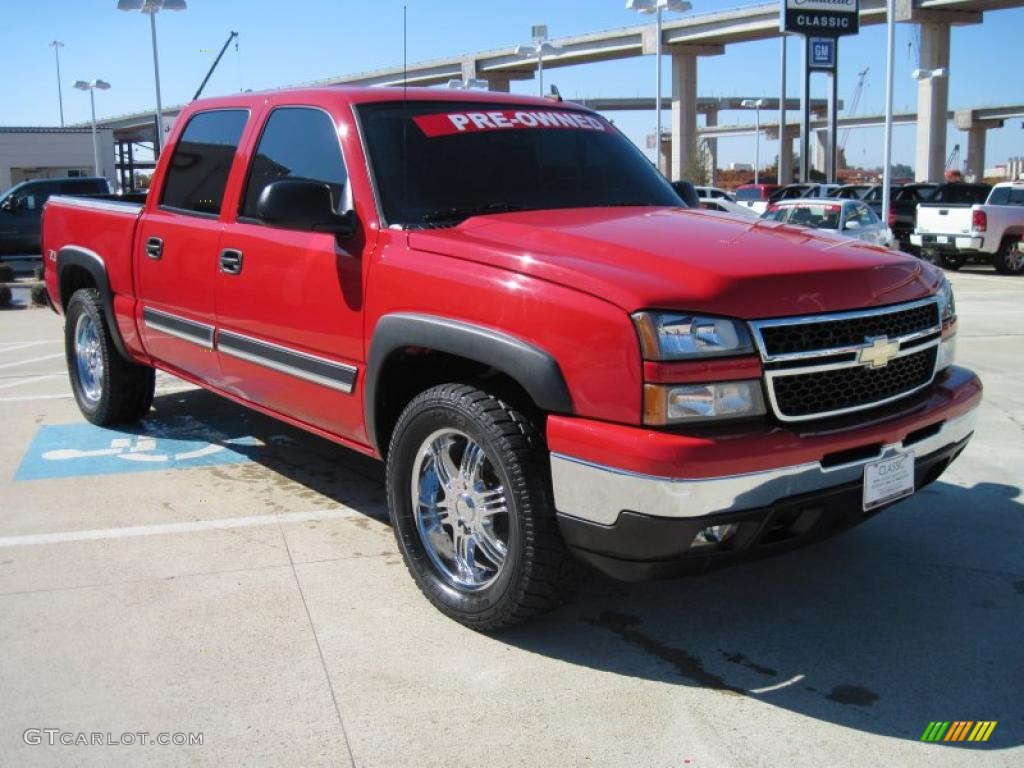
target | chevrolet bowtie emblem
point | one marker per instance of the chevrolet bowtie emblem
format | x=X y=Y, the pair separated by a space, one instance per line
x=879 y=352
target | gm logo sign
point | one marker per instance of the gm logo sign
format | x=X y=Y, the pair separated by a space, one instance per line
x=821 y=52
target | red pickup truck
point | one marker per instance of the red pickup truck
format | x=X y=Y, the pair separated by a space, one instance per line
x=501 y=298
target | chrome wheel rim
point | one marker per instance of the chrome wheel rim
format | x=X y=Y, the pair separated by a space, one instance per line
x=1015 y=258
x=460 y=510
x=88 y=358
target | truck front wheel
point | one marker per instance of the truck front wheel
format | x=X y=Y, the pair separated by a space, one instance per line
x=469 y=499
x=108 y=388
x=1010 y=259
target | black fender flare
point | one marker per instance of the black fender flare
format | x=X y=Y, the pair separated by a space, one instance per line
x=91 y=262
x=535 y=370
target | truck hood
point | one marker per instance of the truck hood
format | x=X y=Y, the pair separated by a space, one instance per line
x=668 y=258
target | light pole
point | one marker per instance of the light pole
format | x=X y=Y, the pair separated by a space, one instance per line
x=57 y=45
x=756 y=105
x=152 y=7
x=656 y=7
x=538 y=48
x=91 y=87
x=890 y=46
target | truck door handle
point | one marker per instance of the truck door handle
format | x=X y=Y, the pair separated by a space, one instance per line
x=230 y=261
x=154 y=247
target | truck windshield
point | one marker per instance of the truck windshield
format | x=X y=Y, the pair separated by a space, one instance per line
x=437 y=163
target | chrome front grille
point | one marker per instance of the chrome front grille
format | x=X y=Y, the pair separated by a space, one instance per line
x=826 y=365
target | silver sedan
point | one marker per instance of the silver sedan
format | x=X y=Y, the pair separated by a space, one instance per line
x=847 y=218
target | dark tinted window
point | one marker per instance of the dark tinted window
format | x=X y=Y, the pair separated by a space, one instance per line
x=81 y=187
x=749 y=193
x=975 y=193
x=202 y=159
x=437 y=163
x=297 y=143
x=1007 y=196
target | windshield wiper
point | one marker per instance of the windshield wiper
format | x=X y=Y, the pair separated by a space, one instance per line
x=455 y=215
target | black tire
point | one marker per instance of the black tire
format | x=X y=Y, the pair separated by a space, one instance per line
x=952 y=263
x=931 y=256
x=1009 y=260
x=537 y=574
x=122 y=391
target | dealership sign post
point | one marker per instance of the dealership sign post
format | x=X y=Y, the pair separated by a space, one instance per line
x=821 y=23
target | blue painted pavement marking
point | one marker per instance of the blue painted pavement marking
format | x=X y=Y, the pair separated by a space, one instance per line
x=182 y=442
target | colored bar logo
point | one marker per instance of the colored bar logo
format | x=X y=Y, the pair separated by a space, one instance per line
x=959 y=730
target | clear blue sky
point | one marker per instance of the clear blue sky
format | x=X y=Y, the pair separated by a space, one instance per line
x=284 y=43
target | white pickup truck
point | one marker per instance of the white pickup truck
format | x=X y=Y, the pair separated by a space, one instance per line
x=951 y=235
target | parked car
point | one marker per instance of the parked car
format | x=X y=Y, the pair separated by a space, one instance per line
x=848 y=218
x=755 y=196
x=851 y=191
x=904 y=203
x=796 y=191
x=714 y=193
x=22 y=205
x=574 y=369
x=727 y=206
x=951 y=234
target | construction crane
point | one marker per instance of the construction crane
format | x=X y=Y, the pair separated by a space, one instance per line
x=216 y=61
x=861 y=77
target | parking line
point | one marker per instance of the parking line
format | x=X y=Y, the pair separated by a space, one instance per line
x=34 y=539
x=14 y=346
x=32 y=360
x=32 y=380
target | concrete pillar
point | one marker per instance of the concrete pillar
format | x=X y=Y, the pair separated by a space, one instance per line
x=684 y=113
x=665 y=155
x=785 y=156
x=498 y=84
x=711 y=118
x=820 y=152
x=965 y=121
x=932 y=103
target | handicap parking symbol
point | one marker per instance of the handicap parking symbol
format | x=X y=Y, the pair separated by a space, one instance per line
x=70 y=450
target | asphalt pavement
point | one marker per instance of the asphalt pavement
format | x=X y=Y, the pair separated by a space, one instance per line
x=215 y=575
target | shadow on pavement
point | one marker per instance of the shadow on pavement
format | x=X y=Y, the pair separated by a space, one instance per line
x=917 y=615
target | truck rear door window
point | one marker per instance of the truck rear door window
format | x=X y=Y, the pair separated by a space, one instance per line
x=297 y=143
x=199 y=168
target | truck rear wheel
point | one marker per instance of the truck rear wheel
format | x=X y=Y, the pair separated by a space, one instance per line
x=469 y=499
x=108 y=388
x=1010 y=259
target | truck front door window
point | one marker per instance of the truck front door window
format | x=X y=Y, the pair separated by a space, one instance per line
x=198 y=171
x=297 y=143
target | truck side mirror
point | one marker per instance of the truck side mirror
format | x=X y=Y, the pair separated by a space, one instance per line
x=687 y=192
x=852 y=224
x=305 y=205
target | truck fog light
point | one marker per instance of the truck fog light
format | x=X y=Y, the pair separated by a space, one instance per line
x=702 y=402
x=714 y=534
x=946 y=353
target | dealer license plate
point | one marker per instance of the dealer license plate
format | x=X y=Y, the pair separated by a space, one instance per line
x=887 y=480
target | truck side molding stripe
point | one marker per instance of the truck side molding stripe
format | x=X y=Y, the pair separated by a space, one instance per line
x=302 y=365
x=179 y=327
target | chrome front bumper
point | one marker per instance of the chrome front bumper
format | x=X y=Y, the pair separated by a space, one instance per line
x=600 y=493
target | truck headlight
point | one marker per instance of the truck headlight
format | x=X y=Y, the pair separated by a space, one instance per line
x=947 y=314
x=688 y=403
x=947 y=304
x=678 y=336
